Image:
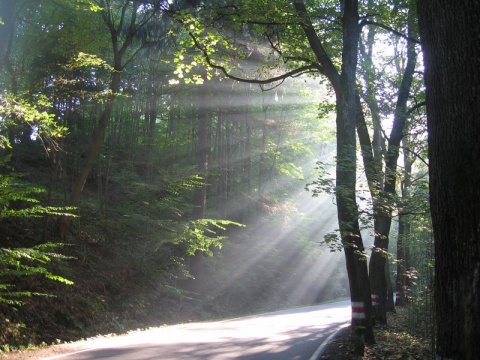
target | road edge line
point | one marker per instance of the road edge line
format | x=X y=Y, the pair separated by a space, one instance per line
x=321 y=349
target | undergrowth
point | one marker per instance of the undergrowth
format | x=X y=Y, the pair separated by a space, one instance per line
x=394 y=341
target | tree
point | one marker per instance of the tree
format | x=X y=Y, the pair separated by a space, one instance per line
x=450 y=35
x=124 y=20
x=18 y=201
x=345 y=91
x=383 y=181
x=7 y=23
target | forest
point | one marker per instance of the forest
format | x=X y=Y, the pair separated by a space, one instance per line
x=165 y=161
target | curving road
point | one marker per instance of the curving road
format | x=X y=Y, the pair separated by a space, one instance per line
x=294 y=334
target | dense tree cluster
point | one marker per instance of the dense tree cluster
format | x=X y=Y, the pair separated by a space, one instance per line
x=154 y=155
x=126 y=179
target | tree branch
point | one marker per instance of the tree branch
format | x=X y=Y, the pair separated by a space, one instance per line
x=224 y=71
x=415 y=107
x=388 y=28
x=416 y=155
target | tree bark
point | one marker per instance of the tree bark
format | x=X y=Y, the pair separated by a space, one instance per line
x=247 y=166
x=390 y=303
x=450 y=33
x=403 y=257
x=200 y=195
x=346 y=174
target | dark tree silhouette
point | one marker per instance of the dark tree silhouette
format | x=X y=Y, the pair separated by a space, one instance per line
x=450 y=33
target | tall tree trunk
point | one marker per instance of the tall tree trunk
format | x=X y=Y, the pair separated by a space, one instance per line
x=344 y=86
x=403 y=258
x=247 y=167
x=220 y=161
x=383 y=205
x=370 y=76
x=450 y=33
x=152 y=124
x=390 y=298
x=7 y=15
x=7 y=11
x=346 y=175
x=262 y=171
x=114 y=19
x=7 y=36
x=403 y=281
x=200 y=195
x=94 y=150
x=97 y=140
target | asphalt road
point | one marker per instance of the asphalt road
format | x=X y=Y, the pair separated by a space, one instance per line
x=295 y=334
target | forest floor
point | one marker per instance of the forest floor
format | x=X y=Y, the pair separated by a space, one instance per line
x=394 y=341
